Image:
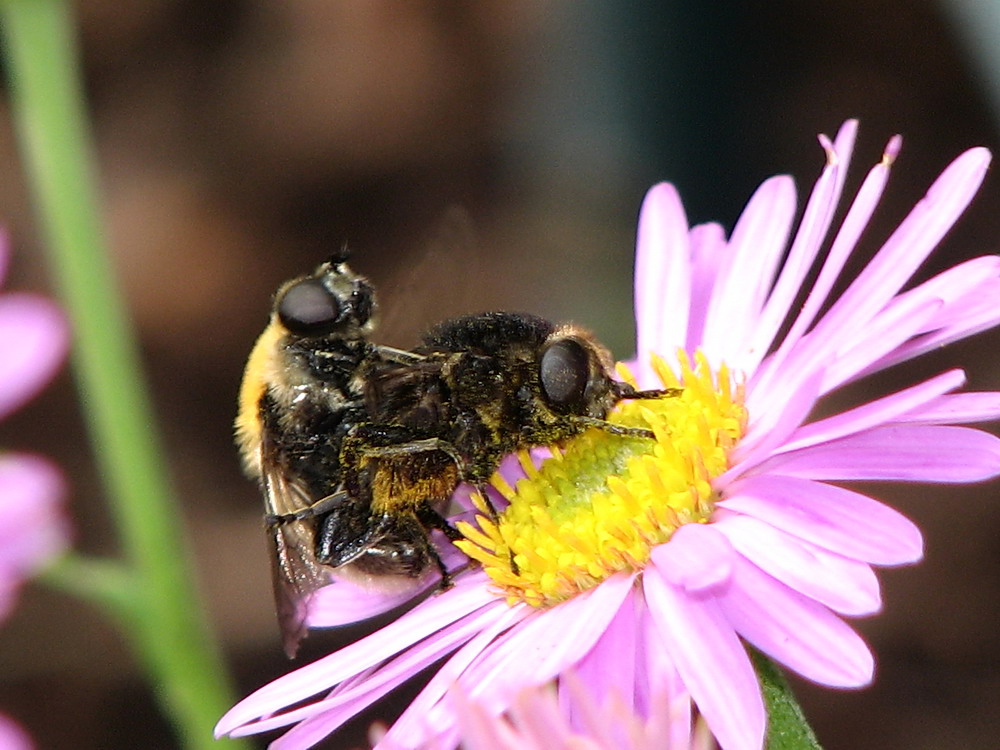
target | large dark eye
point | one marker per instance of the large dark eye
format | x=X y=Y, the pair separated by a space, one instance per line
x=308 y=309
x=564 y=372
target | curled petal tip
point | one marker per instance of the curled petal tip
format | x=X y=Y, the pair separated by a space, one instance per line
x=828 y=147
x=891 y=150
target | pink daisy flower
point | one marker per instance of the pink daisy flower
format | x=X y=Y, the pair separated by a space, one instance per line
x=643 y=564
x=33 y=342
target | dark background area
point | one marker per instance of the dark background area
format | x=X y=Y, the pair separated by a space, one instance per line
x=240 y=140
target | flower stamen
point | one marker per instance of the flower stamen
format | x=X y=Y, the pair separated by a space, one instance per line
x=603 y=501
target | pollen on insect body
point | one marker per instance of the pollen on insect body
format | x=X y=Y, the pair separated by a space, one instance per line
x=602 y=501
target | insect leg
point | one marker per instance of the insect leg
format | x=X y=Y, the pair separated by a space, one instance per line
x=655 y=393
x=614 y=429
x=321 y=506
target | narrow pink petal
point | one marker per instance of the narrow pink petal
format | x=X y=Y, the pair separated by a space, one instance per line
x=710 y=659
x=321 y=717
x=796 y=631
x=842 y=521
x=957 y=408
x=603 y=671
x=773 y=423
x=971 y=316
x=969 y=278
x=342 y=602
x=697 y=559
x=906 y=453
x=843 y=145
x=885 y=332
x=655 y=671
x=708 y=253
x=662 y=273
x=815 y=223
x=906 y=248
x=845 y=586
x=742 y=284
x=414 y=629
x=875 y=413
x=538 y=649
x=34 y=337
x=843 y=245
x=412 y=723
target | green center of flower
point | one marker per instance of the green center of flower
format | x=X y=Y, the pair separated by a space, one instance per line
x=603 y=501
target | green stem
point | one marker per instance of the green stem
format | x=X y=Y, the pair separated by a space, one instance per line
x=787 y=728
x=169 y=632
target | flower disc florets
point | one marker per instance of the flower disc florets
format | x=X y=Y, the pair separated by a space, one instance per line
x=600 y=503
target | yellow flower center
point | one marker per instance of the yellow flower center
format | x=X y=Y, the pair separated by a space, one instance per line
x=603 y=501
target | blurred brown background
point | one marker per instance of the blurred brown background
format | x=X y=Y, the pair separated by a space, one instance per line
x=240 y=140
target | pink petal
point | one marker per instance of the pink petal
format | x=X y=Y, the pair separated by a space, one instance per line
x=846 y=240
x=342 y=603
x=907 y=453
x=604 y=670
x=413 y=722
x=710 y=659
x=538 y=649
x=971 y=316
x=742 y=284
x=834 y=518
x=415 y=628
x=885 y=332
x=708 y=251
x=875 y=413
x=814 y=225
x=662 y=273
x=957 y=408
x=844 y=585
x=697 y=559
x=321 y=717
x=34 y=337
x=796 y=631
x=905 y=249
x=776 y=418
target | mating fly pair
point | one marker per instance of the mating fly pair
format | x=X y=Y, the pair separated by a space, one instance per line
x=358 y=447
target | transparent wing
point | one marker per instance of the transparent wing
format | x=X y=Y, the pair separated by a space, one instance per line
x=439 y=282
x=295 y=573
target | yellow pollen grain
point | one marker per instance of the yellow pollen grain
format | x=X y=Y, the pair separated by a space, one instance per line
x=603 y=501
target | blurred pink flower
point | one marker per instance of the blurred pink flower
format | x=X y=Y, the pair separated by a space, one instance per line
x=736 y=532
x=12 y=737
x=536 y=722
x=34 y=338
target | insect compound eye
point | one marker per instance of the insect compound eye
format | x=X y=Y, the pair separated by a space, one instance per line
x=307 y=308
x=564 y=372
